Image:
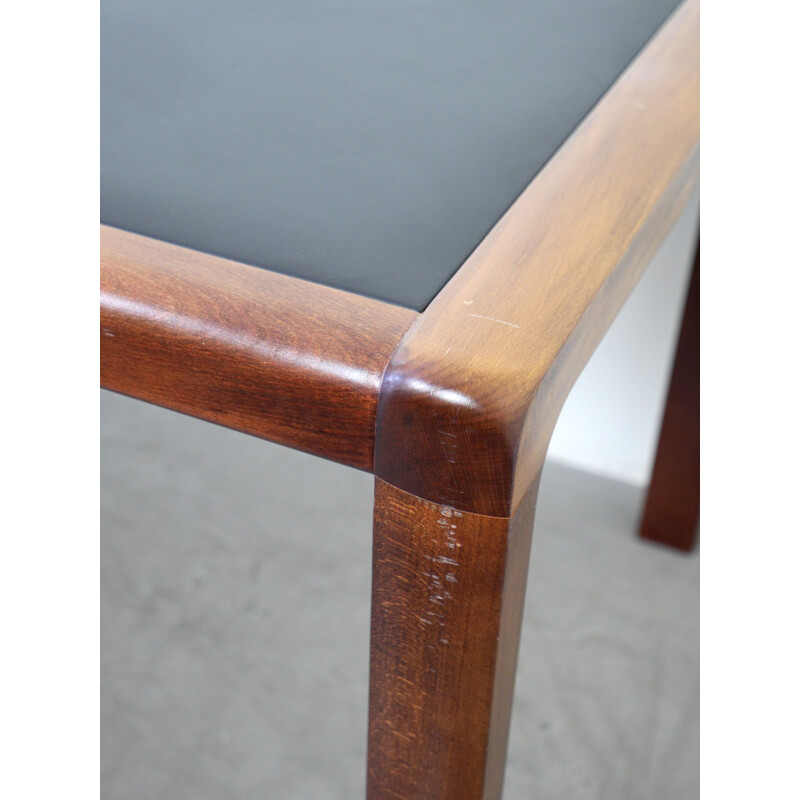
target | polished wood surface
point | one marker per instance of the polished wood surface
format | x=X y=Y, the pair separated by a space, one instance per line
x=672 y=508
x=457 y=404
x=474 y=389
x=290 y=361
x=447 y=600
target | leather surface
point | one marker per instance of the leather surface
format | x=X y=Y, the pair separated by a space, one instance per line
x=367 y=146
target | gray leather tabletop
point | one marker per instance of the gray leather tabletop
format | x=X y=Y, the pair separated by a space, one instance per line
x=367 y=145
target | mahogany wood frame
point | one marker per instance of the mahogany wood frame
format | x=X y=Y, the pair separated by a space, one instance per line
x=452 y=409
x=287 y=360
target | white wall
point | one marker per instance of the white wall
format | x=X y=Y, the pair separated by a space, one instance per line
x=611 y=421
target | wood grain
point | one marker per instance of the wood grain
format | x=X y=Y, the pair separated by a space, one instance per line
x=473 y=392
x=448 y=594
x=672 y=508
x=290 y=361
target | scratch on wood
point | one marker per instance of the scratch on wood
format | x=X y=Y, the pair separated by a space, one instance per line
x=492 y=319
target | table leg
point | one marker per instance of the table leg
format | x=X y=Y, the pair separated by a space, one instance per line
x=447 y=600
x=673 y=500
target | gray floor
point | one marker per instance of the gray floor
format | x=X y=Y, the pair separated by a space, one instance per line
x=235 y=618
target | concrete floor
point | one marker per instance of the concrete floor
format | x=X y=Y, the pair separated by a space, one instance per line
x=235 y=621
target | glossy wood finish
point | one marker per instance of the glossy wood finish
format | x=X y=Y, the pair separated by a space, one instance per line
x=467 y=408
x=290 y=361
x=473 y=391
x=448 y=592
x=464 y=413
x=672 y=508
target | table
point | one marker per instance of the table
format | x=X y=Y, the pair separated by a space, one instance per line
x=392 y=237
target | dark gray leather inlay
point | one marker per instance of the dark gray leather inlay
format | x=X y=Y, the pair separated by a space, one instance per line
x=365 y=145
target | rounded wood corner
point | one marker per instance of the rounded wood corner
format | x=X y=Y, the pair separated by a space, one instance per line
x=447 y=442
x=471 y=395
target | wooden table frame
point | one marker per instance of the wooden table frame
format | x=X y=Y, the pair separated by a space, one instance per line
x=451 y=409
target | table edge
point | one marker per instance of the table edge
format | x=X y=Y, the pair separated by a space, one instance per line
x=474 y=389
x=281 y=358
